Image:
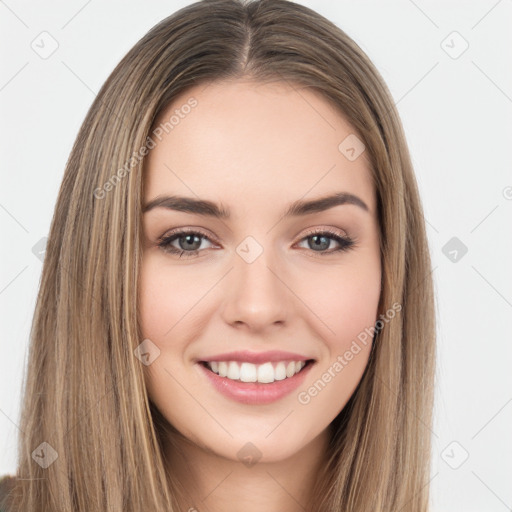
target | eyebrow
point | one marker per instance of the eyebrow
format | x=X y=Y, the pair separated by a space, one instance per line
x=295 y=209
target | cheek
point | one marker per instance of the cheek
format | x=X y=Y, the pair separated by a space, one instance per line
x=155 y=308
x=165 y=298
x=345 y=303
x=348 y=312
x=168 y=316
x=163 y=320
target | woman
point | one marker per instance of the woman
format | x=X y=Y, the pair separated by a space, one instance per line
x=236 y=307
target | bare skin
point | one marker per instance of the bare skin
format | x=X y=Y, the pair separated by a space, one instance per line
x=254 y=149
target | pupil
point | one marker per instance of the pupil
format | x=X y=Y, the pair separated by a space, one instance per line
x=321 y=245
x=190 y=239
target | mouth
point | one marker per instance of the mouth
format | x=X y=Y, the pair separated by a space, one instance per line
x=255 y=384
x=265 y=373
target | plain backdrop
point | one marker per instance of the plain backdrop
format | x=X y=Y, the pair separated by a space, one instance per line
x=448 y=66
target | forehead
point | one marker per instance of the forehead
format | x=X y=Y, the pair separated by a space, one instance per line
x=241 y=140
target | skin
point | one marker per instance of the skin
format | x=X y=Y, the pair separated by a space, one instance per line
x=255 y=148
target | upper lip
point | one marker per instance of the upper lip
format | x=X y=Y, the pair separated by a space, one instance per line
x=245 y=356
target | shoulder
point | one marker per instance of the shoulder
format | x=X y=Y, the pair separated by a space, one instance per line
x=6 y=485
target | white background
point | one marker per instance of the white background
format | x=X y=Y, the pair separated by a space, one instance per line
x=457 y=115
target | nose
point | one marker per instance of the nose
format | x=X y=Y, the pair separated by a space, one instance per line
x=256 y=296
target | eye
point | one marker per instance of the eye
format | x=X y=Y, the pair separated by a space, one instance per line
x=321 y=240
x=188 y=241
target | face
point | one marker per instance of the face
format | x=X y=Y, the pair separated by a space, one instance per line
x=252 y=293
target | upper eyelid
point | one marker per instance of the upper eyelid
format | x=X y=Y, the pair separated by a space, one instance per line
x=329 y=230
x=193 y=231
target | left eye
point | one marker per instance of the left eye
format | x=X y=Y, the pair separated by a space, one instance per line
x=322 y=240
x=189 y=242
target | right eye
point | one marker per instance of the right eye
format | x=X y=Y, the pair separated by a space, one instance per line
x=188 y=241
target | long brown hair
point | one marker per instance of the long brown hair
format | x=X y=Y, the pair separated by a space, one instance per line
x=84 y=393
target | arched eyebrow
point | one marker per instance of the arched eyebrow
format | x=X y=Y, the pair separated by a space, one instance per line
x=297 y=208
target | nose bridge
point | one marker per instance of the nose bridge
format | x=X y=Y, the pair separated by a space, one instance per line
x=256 y=296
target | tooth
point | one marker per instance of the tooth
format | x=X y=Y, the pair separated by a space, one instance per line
x=248 y=372
x=223 y=369
x=266 y=373
x=280 y=371
x=233 y=371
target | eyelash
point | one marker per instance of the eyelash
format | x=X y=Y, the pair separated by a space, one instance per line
x=346 y=243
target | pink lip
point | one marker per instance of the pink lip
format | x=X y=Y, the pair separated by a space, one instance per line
x=255 y=393
x=244 y=356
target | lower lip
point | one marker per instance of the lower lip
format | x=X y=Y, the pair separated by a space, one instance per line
x=256 y=393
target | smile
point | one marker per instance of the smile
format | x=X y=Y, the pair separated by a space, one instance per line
x=248 y=372
x=255 y=384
